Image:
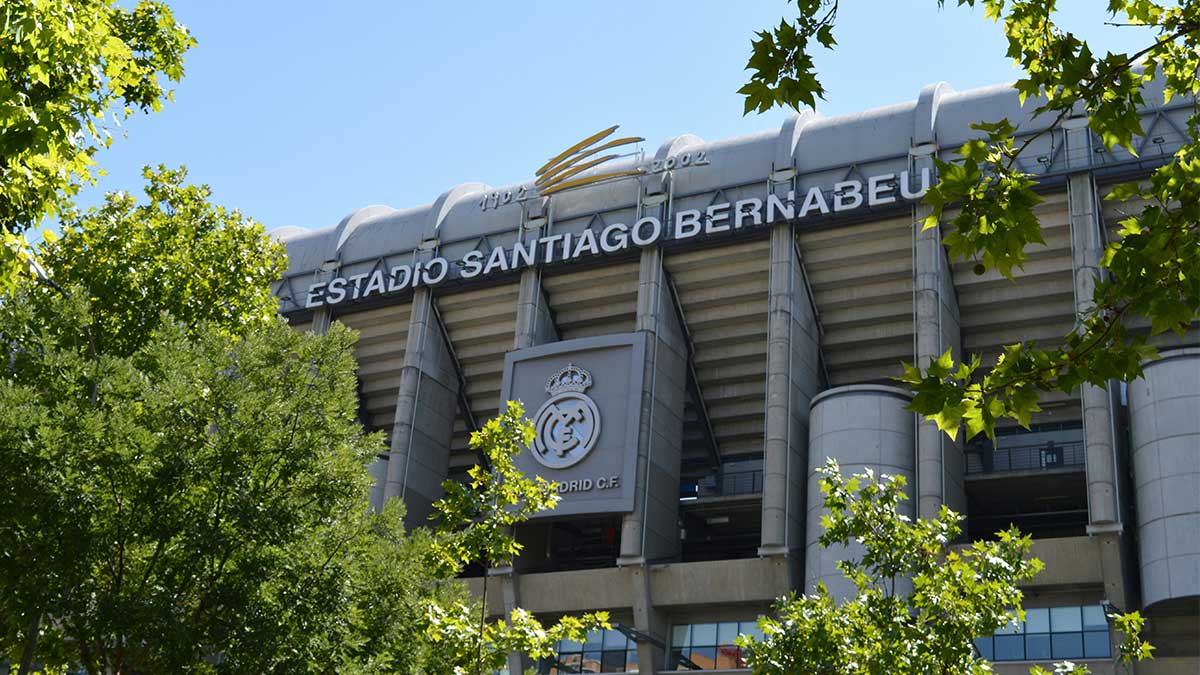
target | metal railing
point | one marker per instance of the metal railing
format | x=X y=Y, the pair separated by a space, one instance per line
x=1052 y=455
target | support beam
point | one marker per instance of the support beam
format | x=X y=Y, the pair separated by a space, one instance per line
x=322 y=317
x=535 y=321
x=693 y=380
x=425 y=407
x=793 y=379
x=940 y=462
x=1099 y=404
x=651 y=532
x=535 y=326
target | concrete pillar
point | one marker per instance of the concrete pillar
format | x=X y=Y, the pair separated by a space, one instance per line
x=322 y=317
x=651 y=531
x=940 y=462
x=426 y=406
x=1105 y=509
x=861 y=426
x=793 y=353
x=1087 y=247
x=649 y=620
x=534 y=326
x=1164 y=417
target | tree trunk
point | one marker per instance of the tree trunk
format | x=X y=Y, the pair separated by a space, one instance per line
x=30 y=645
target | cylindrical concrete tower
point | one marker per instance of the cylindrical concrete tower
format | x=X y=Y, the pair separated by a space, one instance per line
x=1164 y=412
x=860 y=426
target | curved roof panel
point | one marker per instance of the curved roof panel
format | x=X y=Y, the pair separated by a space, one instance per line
x=808 y=142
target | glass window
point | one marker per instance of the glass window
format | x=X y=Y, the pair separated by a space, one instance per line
x=727 y=632
x=750 y=628
x=1037 y=647
x=704 y=634
x=1096 y=645
x=679 y=635
x=1009 y=648
x=1065 y=619
x=984 y=646
x=1053 y=633
x=1066 y=645
x=604 y=651
x=709 y=646
x=1093 y=618
x=704 y=658
x=1037 y=620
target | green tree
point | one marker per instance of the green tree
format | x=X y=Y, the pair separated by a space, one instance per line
x=476 y=525
x=177 y=252
x=68 y=70
x=185 y=478
x=1152 y=270
x=955 y=595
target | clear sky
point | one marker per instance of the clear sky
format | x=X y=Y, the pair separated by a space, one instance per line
x=300 y=112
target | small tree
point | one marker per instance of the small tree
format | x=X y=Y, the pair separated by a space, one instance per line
x=956 y=595
x=476 y=527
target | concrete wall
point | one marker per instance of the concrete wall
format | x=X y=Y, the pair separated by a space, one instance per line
x=1164 y=410
x=860 y=426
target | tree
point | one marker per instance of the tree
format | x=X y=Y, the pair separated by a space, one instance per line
x=955 y=595
x=69 y=68
x=1152 y=270
x=476 y=525
x=185 y=475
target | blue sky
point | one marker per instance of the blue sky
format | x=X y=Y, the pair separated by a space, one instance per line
x=301 y=112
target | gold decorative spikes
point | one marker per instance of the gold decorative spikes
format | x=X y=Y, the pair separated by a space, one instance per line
x=553 y=175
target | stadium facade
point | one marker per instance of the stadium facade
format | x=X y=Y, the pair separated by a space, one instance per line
x=692 y=342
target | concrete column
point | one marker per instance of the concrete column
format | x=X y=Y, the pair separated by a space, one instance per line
x=1087 y=247
x=793 y=353
x=1164 y=417
x=861 y=426
x=940 y=463
x=535 y=326
x=651 y=531
x=1105 y=519
x=322 y=317
x=649 y=620
x=426 y=406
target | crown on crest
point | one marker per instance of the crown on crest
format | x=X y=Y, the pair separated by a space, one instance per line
x=571 y=378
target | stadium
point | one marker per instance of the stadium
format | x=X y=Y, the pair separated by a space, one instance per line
x=693 y=331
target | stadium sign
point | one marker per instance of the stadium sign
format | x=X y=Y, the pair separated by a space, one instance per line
x=721 y=217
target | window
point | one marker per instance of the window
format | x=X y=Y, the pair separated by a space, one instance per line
x=709 y=646
x=1051 y=633
x=604 y=651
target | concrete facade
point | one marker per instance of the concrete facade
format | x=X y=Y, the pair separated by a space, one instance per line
x=777 y=280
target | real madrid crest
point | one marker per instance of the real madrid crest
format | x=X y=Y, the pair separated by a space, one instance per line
x=568 y=423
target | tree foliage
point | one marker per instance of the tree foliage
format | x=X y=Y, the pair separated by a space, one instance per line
x=1151 y=271
x=69 y=71
x=186 y=483
x=476 y=527
x=918 y=606
x=218 y=262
